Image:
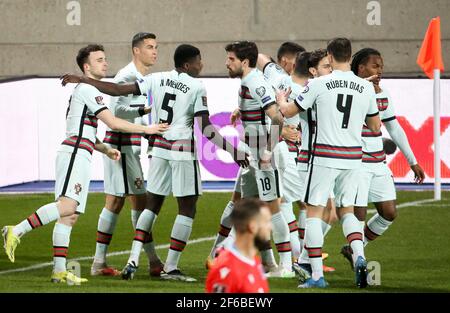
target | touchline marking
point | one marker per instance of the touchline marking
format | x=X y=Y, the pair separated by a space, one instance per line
x=42 y=265
x=406 y=204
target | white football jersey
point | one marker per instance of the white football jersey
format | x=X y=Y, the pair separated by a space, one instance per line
x=81 y=120
x=373 y=153
x=177 y=98
x=129 y=108
x=255 y=95
x=341 y=101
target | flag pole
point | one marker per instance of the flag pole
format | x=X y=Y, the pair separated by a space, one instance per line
x=437 y=133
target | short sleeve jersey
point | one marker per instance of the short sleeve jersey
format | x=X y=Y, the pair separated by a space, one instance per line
x=341 y=101
x=255 y=95
x=128 y=74
x=177 y=99
x=372 y=143
x=85 y=104
x=234 y=273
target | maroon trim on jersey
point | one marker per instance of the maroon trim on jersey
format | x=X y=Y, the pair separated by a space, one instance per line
x=84 y=143
x=91 y=120
x=122 y=139
x=303 y=156
x=245 y=93
x=252 y=115
x=292 y=146
x=366 y=132
x=338 y=152
x=374 y=157
x=182 y=145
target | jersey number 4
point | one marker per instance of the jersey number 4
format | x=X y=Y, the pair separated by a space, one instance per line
x=166 y=107
x=344 y=109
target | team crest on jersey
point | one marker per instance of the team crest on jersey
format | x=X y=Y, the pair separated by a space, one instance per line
x=204 y=101
x=77 y=188
x=99 y=100
x=138 y=183
x=261 y=91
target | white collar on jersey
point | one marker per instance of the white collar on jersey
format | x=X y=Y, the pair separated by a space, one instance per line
x=233 y=249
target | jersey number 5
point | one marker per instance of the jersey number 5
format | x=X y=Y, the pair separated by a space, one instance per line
x=344 y=109
x=166 y=107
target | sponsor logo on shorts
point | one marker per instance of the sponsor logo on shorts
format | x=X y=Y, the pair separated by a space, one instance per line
x=77 y=188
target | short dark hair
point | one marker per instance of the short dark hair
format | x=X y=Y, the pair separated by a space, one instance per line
x=302 y=64
x=244 y=210
x=184 y=54
x=361 y=57
x=83 y=54
x=340 y=49
x=289 y=47
x=316 y=56
x=140 y=37
x=244 y=50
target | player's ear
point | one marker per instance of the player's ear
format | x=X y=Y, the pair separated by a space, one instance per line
x=252 y=227
x=312 y=71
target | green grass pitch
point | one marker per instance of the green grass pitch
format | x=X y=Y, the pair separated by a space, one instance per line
x=414 y=253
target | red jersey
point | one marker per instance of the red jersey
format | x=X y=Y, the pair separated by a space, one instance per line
x=234 y=273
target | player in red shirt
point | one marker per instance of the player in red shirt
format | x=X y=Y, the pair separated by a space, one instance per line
x=238 y=269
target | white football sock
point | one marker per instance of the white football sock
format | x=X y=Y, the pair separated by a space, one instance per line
x=44 y=215
x=352 y=231
x=225 y=227
x=181 y=231
x=286 y=209
x=105 y=229
x=281 y=239
x=314 y=243
x=61 y=240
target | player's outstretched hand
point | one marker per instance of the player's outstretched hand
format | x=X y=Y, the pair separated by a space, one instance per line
x=419 y=174
x=156 y=129
x=70 y=78
x=291 y=133
x=113 y=154
x=235 y=116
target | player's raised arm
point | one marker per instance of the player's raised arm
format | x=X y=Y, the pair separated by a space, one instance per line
x=213 y=135
x=117 y=124
x=108 y=88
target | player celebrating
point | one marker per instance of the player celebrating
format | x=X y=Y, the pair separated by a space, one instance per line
x=375 y=181
x=257 y=109
x=287 y=151
x=238 y=269
x=286 y=55
x=341 y=102
x=125 y=179
x=178 y=97
x=73 y=163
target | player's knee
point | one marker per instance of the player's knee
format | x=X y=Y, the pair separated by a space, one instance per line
x=390 y=215
x=114 y=204
x=66 y=206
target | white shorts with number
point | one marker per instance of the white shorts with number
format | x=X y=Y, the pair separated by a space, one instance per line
x=72 y=178
x=374 y=188
x=124 y=177
x=182 y=177
x=285 y=160
x=321 y=181
x=264 y=184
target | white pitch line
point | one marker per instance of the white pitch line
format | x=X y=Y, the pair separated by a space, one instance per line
x=42 y=265
x=406 y=204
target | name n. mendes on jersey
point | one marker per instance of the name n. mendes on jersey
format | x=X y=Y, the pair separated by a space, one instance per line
x=174 y=84
x=341 y=83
